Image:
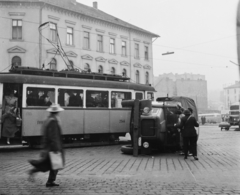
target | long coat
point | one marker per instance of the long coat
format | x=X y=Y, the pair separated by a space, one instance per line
x=187 y=126
x=52 y=141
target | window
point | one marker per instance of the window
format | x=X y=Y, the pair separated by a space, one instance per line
x=112 y=46
x=69 y=36
x=16 y=61
x=87 y=68
x=71 y=63
x=137 y=77
x=146 y=53
x=40 y=96
x=113 y=70
x=53 y=32
x=16 y=29
x=97 y=99
x=139 y=96
x=147 y=77
x=100 y=69
x=136 y=53
x=124 y=73
x=117 y=97
x=53 y=64
x=86 y=40
x=124 y=48
x=100 y=43
x=150 y=96
x=70 y=97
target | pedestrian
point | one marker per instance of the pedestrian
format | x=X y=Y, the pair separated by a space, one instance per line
x=51 y=142
x=10 y=105
x=189 y=134
x=180 y=115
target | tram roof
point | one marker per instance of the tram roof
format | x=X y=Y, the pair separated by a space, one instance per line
x=67 y=81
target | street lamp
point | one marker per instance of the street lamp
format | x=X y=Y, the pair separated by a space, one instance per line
x=168 y=53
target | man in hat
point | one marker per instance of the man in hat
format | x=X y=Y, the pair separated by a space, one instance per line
x=188 y=124
x=52 y=142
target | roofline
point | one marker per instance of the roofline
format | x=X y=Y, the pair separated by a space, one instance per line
x=43 y=2
x=61 y=81
x=144 y=31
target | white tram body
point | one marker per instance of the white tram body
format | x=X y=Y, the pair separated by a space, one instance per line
x=83 y=120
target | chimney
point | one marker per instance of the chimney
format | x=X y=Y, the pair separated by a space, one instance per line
x=95 y=5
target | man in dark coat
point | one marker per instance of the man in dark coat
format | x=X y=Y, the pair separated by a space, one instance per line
x=52 y=142
x=189 y=134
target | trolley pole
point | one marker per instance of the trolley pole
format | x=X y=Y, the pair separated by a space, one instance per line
x=135 y=120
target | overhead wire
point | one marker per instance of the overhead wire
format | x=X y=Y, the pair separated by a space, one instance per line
x=115 y=38
x=181 y=48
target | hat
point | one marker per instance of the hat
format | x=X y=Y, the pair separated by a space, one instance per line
x=186 y=112
x=55 y=108
x=190 y=109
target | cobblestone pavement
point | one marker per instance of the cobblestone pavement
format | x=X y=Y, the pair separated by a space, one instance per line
x=105 y=170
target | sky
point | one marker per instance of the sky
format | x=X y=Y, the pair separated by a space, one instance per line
x=201 y=33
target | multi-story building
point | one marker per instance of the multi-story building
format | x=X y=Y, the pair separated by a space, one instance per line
x=231 y=94
x=92 y=40
x=189 y=85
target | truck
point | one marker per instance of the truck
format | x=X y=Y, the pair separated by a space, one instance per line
x=156 y=126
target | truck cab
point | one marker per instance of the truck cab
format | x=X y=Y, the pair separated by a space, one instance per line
x=157 y=128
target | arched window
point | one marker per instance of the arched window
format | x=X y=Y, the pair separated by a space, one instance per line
x=100 y=69
x=124 y=73
x=71 y=63
x=16 y=61
x=112 y=70
x=137 y=77
x=147 y=77
x=53 y=64
x=87 y=68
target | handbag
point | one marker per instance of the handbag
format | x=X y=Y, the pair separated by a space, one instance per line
x=18 y=119
x=56 y=160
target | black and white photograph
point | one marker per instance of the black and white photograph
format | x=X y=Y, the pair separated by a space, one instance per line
x=119 y=97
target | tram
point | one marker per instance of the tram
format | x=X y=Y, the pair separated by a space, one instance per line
x=92 y=102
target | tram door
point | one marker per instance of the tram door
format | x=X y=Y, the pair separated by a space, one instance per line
x=1 y=98
x=11 y=96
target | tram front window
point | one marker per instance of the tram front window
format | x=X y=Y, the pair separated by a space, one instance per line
x=70 y=97
x=139 y=96
x=40 y=96
x=97 y=99
x=117 y=97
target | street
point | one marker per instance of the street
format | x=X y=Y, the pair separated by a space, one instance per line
x=105 y=170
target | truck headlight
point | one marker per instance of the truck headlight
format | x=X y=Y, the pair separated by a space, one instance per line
x=146 y=110
x=145 y=144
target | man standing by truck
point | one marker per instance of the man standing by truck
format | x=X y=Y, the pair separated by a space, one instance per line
x=189 y=134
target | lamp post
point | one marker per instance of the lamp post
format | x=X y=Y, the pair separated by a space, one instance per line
x=168 y=53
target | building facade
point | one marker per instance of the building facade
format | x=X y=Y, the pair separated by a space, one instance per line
x=188 y=85
x=92 y=40
x=231 y=94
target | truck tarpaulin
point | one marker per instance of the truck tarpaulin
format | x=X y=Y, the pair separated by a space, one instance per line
x=184 y=102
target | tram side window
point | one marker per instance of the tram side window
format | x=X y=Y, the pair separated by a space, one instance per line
x=40 y=96
x=150 y=96
x=1 y=94
x=70 y=97
x=139 y=96
x=117 y=97
x=97 y=99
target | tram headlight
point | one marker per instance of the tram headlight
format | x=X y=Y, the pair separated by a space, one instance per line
x=145 y=144
x=146 y=110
